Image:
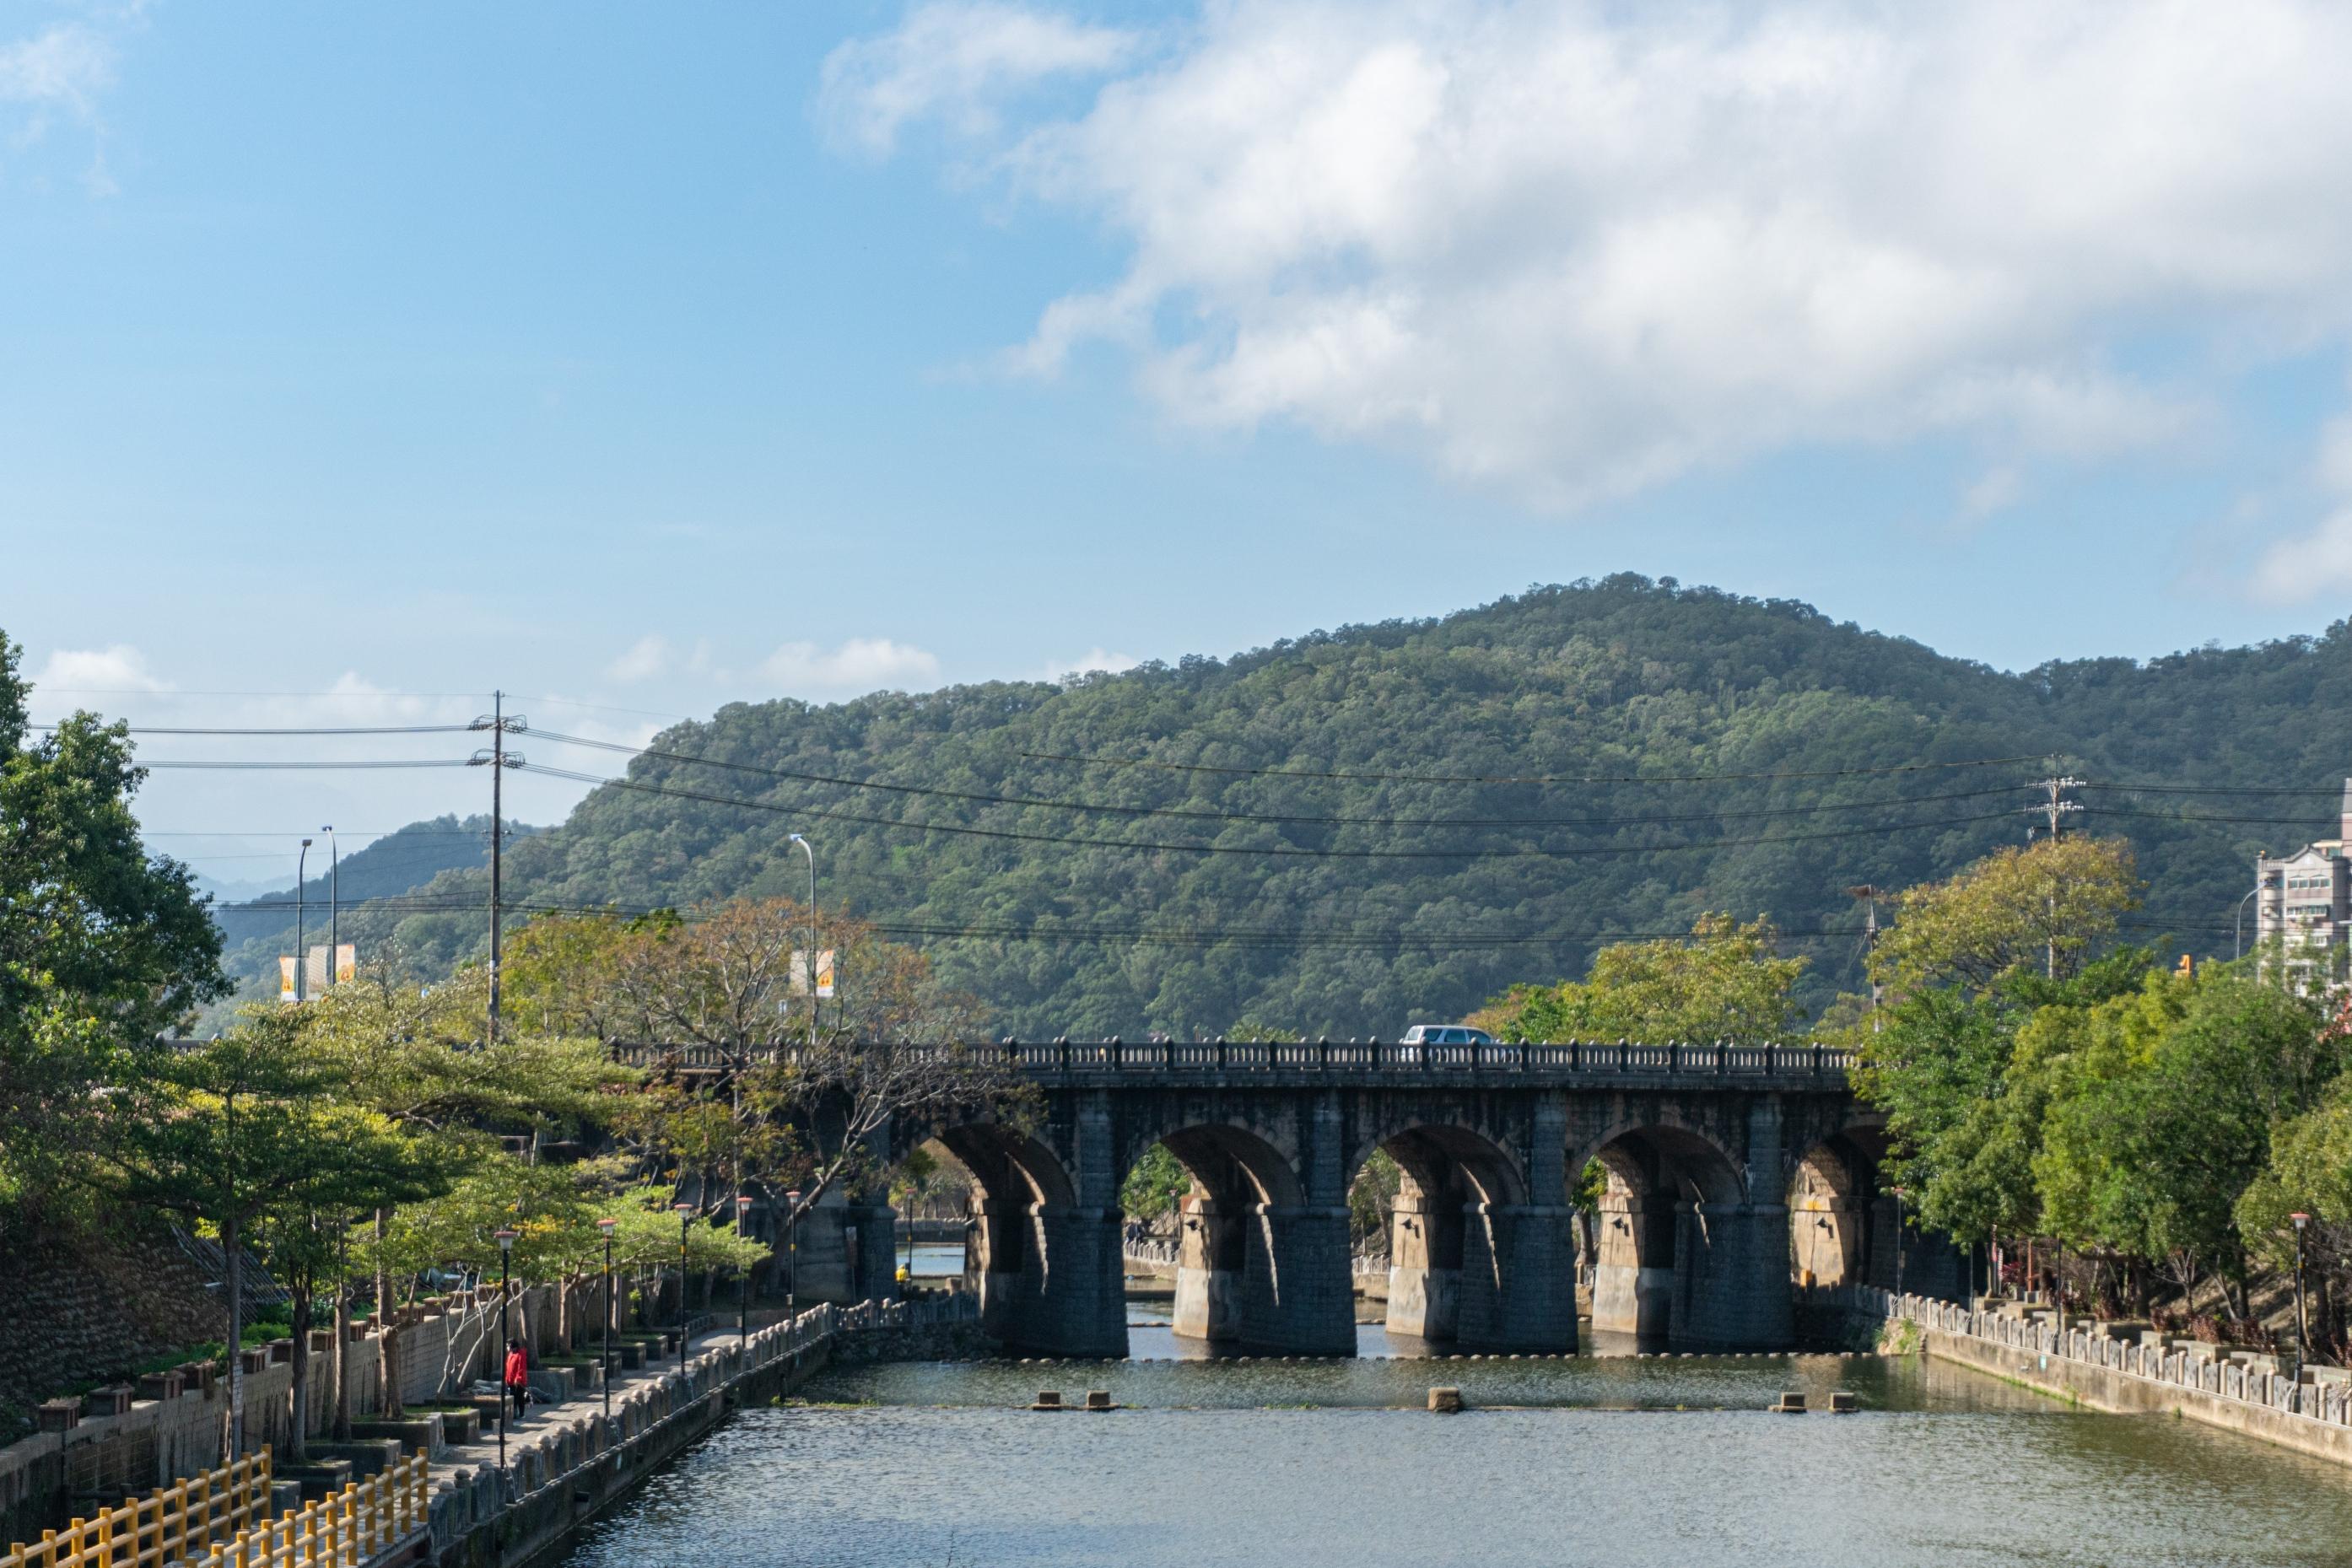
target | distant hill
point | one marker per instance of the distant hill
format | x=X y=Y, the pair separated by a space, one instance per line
x=1375 y=788
x=259 y=928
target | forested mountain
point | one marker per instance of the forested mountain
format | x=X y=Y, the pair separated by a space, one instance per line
x=1354 y=830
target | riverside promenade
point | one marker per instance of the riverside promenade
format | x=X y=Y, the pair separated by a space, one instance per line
x=567 y=1462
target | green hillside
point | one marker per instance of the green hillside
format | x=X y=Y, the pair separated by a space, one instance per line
x=1861 y=759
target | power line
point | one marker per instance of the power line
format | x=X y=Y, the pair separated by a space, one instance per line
x=1196 y=814
x=297 y=729
x=1514 y=779
x=1524 y=852
x=361 y=766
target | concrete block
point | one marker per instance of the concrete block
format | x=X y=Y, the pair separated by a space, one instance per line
x=1446 y=1400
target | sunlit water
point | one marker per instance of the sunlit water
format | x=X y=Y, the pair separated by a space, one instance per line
x=1587 y=1460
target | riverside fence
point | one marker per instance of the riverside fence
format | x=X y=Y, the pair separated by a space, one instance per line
x=172 y=1524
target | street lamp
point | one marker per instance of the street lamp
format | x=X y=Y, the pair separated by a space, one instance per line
x=684 y=1212
x=506 y=1241
x=2300 y=1221
x=743 y=1275
x=334 y=904
x=1899 y=1242
x=606 y=1227
x=301 y=864
x=791 y=1252
x=796 y=839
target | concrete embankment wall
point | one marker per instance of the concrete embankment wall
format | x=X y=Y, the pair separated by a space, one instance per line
x=2133 y=1372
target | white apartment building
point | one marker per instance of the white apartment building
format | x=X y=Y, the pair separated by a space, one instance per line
x=2303 y=904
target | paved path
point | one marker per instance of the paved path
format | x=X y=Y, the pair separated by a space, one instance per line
x=576 y=1412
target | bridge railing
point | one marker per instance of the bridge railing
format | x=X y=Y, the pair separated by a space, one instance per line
x=1350 y=1058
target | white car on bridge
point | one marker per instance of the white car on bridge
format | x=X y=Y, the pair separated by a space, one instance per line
x=1445 y=1034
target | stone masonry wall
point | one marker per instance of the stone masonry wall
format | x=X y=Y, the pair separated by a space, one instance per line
x=102 y=1308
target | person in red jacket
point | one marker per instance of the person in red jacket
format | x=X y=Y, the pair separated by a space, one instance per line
x=518 y=1375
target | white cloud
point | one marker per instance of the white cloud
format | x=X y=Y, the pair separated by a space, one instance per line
x=2303 y=567
x=64 y=66
x=647 y=657
x=1995 y=490
x=1093 y=659
x=1572 y=250
x=2299 y=570
x=861 y=664
x=955 y=62
x=84 y=678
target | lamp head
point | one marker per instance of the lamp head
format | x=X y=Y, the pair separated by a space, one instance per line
x=306 y=843
x=505 y=1238
x=2300 y=1218
x=681 y=1209
x=743 y=1204
x=792 y=1197
x=606 y=1226
x=795 y=839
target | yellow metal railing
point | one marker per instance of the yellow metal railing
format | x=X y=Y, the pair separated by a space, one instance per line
x=183 y=1521
x=348 y=1529
x=220 y=1520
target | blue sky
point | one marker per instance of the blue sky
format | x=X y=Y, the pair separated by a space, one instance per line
x=648 y=359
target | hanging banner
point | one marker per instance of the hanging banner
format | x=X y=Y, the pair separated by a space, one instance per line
x=285 y=977
x=314 y=972
x=347 y=963
x=800 y=973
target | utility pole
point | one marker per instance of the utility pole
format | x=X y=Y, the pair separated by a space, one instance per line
x=498 y=758
x=334 y=905
x=2056 y=809
x=301 y=959
x=1869 y=893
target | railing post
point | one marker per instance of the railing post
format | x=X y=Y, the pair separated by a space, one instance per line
x=1674 y=1056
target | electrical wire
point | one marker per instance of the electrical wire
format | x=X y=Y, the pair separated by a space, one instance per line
x=1527 y=779
x=298 y=729
x=1524 y=852
x=412 y=762
x=1190 y=813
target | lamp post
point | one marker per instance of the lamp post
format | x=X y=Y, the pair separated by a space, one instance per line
x=2237 y=943
x=2300 y=1221
x=1899 y=1242
x=506 y=1241
x=684 y=1212
x=606 y=1227
x=796 y=839
x=301 y=870
x=791 y=1252
x=334 y=904
x=742 y=1276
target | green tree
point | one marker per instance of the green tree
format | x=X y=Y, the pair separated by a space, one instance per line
x=2164 y=1118
x=1726 y=982
x=2050 y=906
x=101 y=948
x=252 y=1125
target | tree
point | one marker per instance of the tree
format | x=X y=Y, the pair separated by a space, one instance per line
x=2051 y=906
x=101 y=949
x=1726 y=982
x=1965 y=1081
x=415 y=1053
x=252 y=1125
x=2164 y=1118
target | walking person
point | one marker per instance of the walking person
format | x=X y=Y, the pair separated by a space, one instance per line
x=518 y=1377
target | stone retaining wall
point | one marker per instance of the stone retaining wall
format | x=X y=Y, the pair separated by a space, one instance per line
x=2131 y=1369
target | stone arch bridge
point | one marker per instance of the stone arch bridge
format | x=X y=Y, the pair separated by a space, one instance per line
x=1731 y=1173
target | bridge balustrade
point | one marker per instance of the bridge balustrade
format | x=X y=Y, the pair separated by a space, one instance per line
x=1337 y=1058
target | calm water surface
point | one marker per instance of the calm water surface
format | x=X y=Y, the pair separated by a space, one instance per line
x=1612 y=1461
